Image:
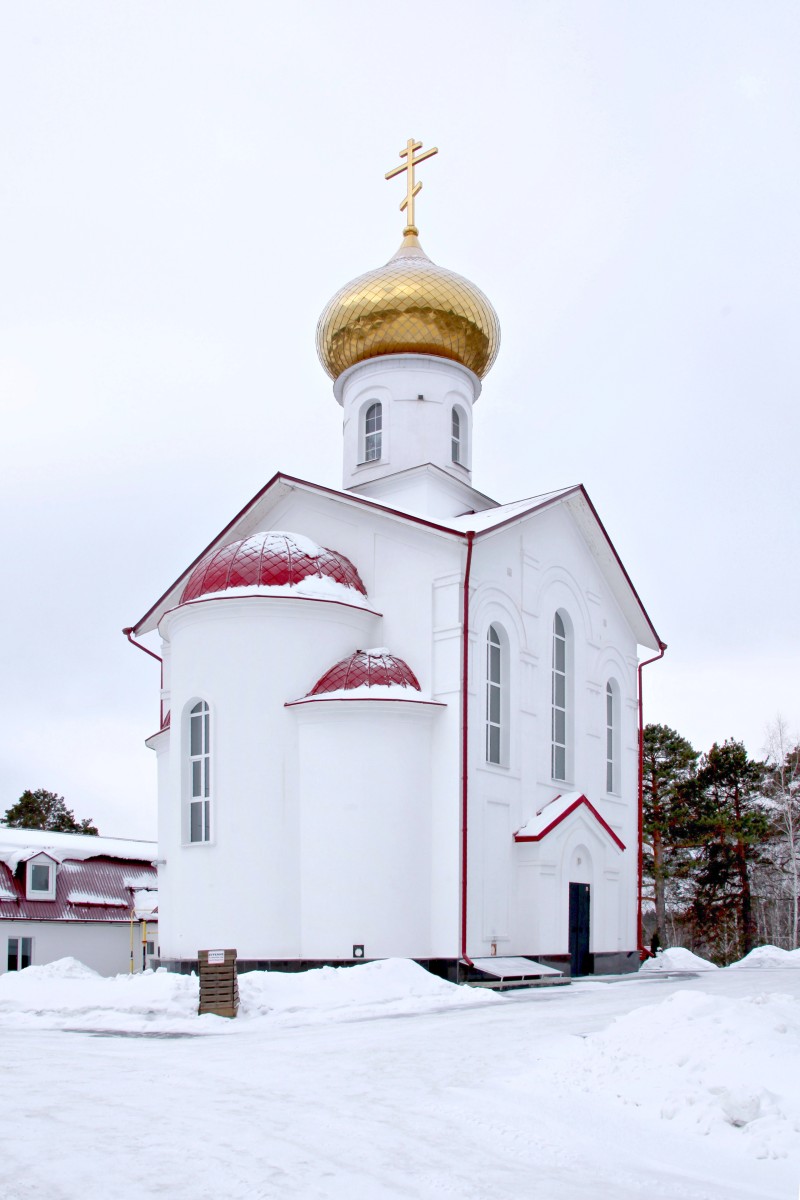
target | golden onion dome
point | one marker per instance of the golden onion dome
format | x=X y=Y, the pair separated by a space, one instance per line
x=408 y=306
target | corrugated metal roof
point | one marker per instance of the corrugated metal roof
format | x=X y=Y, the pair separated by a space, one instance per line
x=97 y=889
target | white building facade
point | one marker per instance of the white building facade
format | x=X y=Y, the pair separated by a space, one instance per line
x=400 y=719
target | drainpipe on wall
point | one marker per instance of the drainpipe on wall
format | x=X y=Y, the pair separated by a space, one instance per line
x=647 y=661
x=464 y=745
x=129 y=635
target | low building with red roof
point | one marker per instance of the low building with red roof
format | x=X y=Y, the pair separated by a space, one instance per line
x=75 y=895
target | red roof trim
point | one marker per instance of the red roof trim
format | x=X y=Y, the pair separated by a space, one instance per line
x=360 y=700
x=293 y=481
x=372 y=612
x=662 y=645
x=537 y=837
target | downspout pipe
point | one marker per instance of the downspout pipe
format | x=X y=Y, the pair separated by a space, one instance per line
x=662 y=648
x=128 y=631
x=465 y=746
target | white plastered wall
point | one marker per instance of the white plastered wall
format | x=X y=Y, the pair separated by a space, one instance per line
x=518 y=896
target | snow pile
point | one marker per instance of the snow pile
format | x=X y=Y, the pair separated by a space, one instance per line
x=709 y=1065
x=389 y=986
x=768 y=956
x=72 y=996
x=677 y=958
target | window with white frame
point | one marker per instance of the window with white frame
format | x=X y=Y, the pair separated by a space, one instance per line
x=40 y=878
x=373 y=430
x=20 y=953
x=559 y=699
x=494 y=696
x=199 y=773
x=455 y=436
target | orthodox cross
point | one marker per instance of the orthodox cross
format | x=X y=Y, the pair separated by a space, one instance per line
x=413 y=189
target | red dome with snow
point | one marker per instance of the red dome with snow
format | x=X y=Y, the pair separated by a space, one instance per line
x=271 y=559
x=366 y=668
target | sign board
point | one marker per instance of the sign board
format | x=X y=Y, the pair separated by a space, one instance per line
x=216 y=956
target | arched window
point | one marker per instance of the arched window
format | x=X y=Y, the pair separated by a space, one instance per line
x=373 y=426
x=199 y=773
x=494 y=696
x=612 y=737
x=455 y=436
x=559 y=700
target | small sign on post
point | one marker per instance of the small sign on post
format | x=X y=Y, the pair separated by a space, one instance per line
x=219 y=986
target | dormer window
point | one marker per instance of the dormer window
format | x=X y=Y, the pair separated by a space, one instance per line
x=40 y=880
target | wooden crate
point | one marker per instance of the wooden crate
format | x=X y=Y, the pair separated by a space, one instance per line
x=219 y=986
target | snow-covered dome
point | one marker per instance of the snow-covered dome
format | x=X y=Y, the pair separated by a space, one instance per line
x=367 y=669
x=269 y=559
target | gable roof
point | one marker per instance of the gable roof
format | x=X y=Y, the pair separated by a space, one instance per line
x=557 y=810
x=474 y=524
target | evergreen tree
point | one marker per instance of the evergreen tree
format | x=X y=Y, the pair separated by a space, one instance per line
x=45 y=810
x=726 y=821
x=668 y=762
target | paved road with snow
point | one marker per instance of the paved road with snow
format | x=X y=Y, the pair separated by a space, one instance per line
x=649 y=1087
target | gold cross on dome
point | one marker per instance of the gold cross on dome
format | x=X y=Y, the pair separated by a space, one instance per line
x=413 y=189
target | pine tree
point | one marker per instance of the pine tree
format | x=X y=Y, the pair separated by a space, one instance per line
x=45 y=810
x=668 y=762
x=726 y=821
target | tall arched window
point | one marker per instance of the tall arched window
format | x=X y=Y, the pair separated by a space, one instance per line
x=559 y=700
x=455 y=436
x=498 y=689
x=199 y=773
x=373 y=427
x=612 y=737
x=494 y=696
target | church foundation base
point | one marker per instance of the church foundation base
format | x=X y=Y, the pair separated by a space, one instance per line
x=442 y=968
x=618 y=962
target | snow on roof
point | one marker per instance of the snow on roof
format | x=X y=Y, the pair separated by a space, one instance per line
x=490 y=518
x=93 y=898
x=314 y=587
x=554 y=812
x=100 y=888
x=18 y=845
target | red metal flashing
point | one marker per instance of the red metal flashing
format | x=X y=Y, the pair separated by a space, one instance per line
x=290 y=481
x=372 y=612
x=537 y=837
x=103 y=878
x=361 y=699
x=268 y=559
x=365 y=668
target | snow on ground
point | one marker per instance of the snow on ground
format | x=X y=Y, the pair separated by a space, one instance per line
x=677 y=958
x=768 y=956
x=379 y=1081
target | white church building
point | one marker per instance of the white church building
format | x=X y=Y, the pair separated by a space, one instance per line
x=400 y=719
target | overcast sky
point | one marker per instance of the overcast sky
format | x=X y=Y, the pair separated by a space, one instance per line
x=185 y=185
